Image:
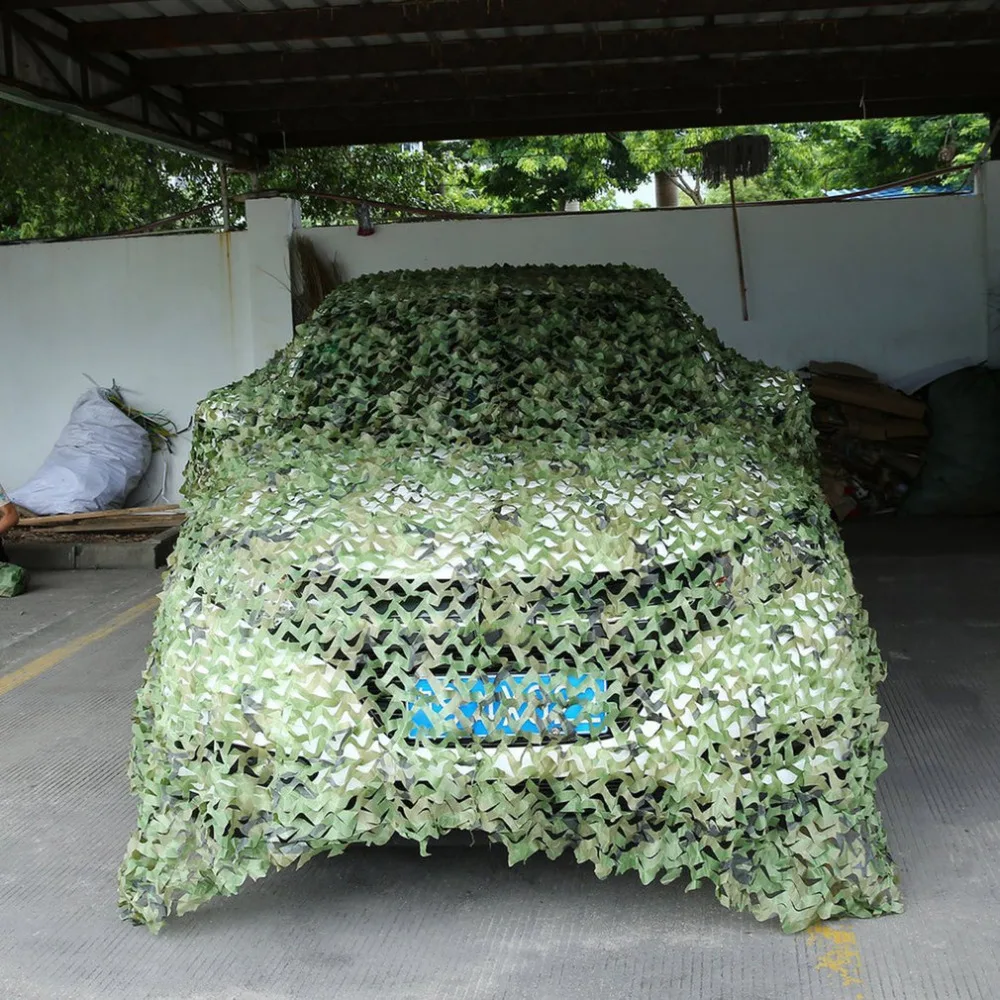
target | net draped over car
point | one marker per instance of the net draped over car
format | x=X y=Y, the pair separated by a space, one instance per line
x=521 y=550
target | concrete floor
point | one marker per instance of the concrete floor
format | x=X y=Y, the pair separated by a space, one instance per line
x=386 y=925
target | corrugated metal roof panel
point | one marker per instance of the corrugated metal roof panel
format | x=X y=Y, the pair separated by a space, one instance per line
x=748 y=62
x=181 y=8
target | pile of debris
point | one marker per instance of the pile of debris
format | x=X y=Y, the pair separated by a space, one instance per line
x=872 y=438
x=131 y=524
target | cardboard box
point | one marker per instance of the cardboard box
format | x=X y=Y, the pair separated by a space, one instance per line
x=870 y=395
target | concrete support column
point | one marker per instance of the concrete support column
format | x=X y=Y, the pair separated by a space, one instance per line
x=270 y=224
x=990 y=187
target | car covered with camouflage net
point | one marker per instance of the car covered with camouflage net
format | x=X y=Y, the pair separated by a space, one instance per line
x=524 y=551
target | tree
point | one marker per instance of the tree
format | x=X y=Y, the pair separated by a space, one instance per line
x=809 y=159
x=794 y=172
x=665 y=152
x=59 y=178
x=861 y=154
x=383 y=173
x=548 y=173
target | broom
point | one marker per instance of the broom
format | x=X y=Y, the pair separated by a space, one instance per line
x=724 y=160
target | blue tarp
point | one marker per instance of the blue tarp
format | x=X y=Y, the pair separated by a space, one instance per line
x=904 y=191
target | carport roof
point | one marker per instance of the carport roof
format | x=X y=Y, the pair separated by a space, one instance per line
x=235 y=78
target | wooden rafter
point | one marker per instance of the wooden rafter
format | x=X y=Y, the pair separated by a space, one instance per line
x=970 y=62
x=718 y=40
x=694 y=105
x=388 y=132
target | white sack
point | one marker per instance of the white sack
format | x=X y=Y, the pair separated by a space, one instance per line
x=98 y=460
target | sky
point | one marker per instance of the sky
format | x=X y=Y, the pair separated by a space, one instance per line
x=646 y=193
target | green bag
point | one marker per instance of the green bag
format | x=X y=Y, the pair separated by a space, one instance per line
x=13 y=580
x=962 y=471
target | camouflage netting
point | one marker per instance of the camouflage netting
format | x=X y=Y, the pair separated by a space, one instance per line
x=520 y=550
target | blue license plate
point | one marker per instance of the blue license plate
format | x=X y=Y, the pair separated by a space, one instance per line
x=517 y=705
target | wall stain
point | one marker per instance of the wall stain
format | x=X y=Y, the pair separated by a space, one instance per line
x=227 y=248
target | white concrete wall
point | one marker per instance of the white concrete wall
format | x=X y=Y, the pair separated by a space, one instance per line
x=153 y=313
x=989 y=186
x=270 y=222
x=897 y=286
x=168 y=317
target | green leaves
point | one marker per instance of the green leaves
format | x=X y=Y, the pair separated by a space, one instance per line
x=382 y=173
x=546 y=173
x=59 y=179
x=881 y=150
x=62 y=179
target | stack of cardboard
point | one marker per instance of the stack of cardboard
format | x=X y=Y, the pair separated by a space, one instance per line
x=872 y=438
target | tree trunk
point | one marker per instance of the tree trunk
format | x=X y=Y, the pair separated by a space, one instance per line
x=666 y=190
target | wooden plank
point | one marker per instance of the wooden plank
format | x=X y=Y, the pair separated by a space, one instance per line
x=605 y=46
x=534 y=81
x=866 y=430
x=112 y=527
x=842 y=369
x=909 y=445
x=905 y=429
x=875 y=397
x=51 y=520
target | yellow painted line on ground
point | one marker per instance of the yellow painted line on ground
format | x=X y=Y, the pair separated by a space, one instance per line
x=841 y=955
x=37 y=667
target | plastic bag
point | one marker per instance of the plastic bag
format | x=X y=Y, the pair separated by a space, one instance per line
x=13 y=580
x=961 y=474
x=99 y=459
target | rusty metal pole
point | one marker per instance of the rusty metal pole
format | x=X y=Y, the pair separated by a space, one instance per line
x=227 y=222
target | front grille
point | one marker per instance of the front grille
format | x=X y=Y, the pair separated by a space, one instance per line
x=615 y=628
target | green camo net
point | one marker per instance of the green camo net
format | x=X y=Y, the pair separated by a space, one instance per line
x=524 y=551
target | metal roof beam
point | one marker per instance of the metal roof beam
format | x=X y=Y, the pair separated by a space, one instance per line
x=966 y=61
x=719 y=39
x=375 y=19
x=41 y=68
x=620 y=122
x=696 y=104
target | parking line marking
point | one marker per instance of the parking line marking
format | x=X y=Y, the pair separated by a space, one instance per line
x=54 y=657
x=841 y=955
